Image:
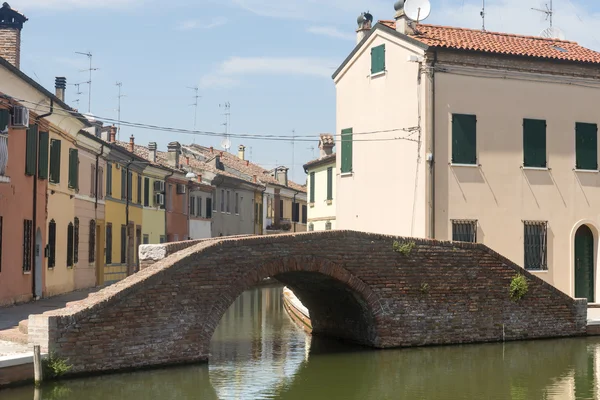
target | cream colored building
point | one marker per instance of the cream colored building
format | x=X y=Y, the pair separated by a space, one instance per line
x=459 y=134
x=321 y=187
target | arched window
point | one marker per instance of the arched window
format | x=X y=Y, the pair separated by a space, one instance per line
x=51 y=244
x=92 y=244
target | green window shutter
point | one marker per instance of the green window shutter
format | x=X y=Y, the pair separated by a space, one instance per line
x=346 y=150
x=534 y=143
x=73 y=168
x=108 y=179
x=329 y=183
x=55 y=161
x=464 y=139
x=312 y=187
x=43 y=155
x=586 y=146
x=378 y=59
x=31 y=150
x=4 y=120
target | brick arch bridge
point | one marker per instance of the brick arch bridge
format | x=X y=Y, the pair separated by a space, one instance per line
x=356 y=286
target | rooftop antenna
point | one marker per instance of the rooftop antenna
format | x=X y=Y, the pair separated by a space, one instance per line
x=549 y=11
x=312 y=149
x=293 y=150
x=89 y=82
x=417 y=10
x=227 y=107
x=552 y=32
x=119 y=85
x=482 y=13
x=195 y=104
x=78 y=91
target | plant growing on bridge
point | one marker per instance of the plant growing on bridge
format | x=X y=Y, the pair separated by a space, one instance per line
x=518 y=287
x=54 y=366
x=404 y=248
x=424 y=288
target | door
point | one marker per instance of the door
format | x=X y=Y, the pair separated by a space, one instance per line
x=584 y=264
x=38 y=263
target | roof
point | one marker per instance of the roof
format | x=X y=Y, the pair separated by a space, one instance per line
x=320 y=161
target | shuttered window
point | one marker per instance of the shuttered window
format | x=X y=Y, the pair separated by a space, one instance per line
x=31 y=150
x=109 y=243
x=108 y=179
x=73 y=169
x=27 y=232
x=92 y=242
x=192 y=206
x=303 y=213
x=93 y=180
x=346 y=150
x=130 y=186
x=76 y=241
x=536 y=245
x=378 y=59
x=123 y=183
x=4 y=120
x=330 y=183
x=295 y=212
x=100 y=193
x=312 y=187
x=198 y=206
x=123 y=244
x=464 y=139
x=209 y=208
x=464 y=231
x=43 y=155
x=139 y=189
x=52 y=244
x=586 y=146
x=147 y=192
x=534 y=143
x=280 y=208
x=70 y=241
x=55 y=161
x=0 y=243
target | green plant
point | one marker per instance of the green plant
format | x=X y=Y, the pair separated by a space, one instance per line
x=54 y=366
x=404 y=248
x=518 y=287
x=424 y=288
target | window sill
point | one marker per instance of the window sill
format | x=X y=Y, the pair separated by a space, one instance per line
x=311 y=205
x=329 y=202
x=26 y=272
x=537 y=271
x=465 y=165
x=378 y=74
x=535 y=168
x=344 y=174
x=588 y=171
x=4 y=179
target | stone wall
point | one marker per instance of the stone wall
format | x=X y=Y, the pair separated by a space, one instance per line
x=355 y=285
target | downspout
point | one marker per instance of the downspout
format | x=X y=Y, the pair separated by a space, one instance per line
x=35 y=179
x=431 y=126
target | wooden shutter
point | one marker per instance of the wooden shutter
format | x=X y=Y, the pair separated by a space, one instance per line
x=44 y=141
x=4 y=120
x=100 y=193
x=31 y=150
x=55 y=161
x=123 y=244
x=92 y=242
x=123 y=183
x=73 y=168
x=109 y=244
x=304 y=213
x=464 y=139
x=330 y=183
x=52 y=244
x=70 y=242
x=0 y=239
x=192 y=206
x=586 y=146
x=139 y=189
x=76 y=241
x=347 y=150
x=208 y=207
x=378 y=59
x=312 y=187
x=534 y=143
x=93 y=181
x=108 y=179
x=146 y=192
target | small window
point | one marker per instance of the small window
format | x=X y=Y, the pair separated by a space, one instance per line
x=109 y=179
x=534 y=143
x=92 y=180
x=100 y=183
x=27 y=232
x=198 y=206
x=228 y=203
x=162 y=239
x=31 y=149
x=109 y=243
x=123 y=183
x=346 y=166
x=169 y=197
x=464 y=231
x=295 y=212
x=192 y=206
x=378 y=59
x=328 y=225
x=146 y=239
x=536 y=245
x=280 y=208
x=130 y=186
x=586 y=146
x=70 y=242
x=464 y=139
x=44 y=143
x=92 y=242
x=51 y=244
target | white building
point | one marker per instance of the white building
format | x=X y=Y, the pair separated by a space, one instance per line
x=321 y=187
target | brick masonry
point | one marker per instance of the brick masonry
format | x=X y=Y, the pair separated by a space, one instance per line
x=355 y=285
x=10 y=45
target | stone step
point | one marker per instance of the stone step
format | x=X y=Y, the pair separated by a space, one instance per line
x=24 y=326
x=13 y=335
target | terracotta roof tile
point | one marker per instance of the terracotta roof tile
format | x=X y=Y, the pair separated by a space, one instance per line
x=501 y=43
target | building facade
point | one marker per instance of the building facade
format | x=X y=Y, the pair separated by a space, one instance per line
x=321 y=187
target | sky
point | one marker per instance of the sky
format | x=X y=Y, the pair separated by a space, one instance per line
x=271 y=60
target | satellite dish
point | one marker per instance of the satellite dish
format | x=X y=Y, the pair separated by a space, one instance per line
x=553 y=33
x=417 y=10
x=226 y=143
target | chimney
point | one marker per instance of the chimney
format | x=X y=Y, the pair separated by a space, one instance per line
x=211 y=150
x=242 y=152
x=131 y=144
x=152 y=151
x=173 y=149
x=187 y=160
x=364 y=20
x=281 y=175
x=254 y=178
x=403 y=24
x=11 y=23
x=60 y=84
x=113 y=134
x=247 y=163
x=326 y=144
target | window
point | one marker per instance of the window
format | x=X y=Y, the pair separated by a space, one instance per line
x=76 y=241
x=330 y=183
x=378 y=59
x=0 y=243
x=586 y=146
x=304 y=213
x=209 y=207
x=100 y=193
x=228 y=208
x=4 y=120
x=109 y=179
x=146 y=239
x=280 y=208
x=70 y=241
x=464 y=139
x=123 y=183
x=162 y=239
x=295 y=212
x=93 y=180
x=346 y=151
x=92 y=242
x=464 y=231
x=328 y=225
x=198 y=206
x=109 y=243
x=169 y=197
x=146 y=192
x=192 y=206
x=237 y=203
x=54 y=161
x=534 y=143
x=73 y=169
x=312 y=187
x=139 y=189
x=123 y=244
x=536 y=245
x=130 y=186
x=44 y=143
x=52 y=244
x=27 y=232
x=31 y=150
x=311 y=227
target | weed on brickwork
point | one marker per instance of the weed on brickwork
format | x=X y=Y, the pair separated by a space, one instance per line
x=404 y=248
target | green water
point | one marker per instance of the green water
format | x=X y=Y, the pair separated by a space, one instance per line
x=258 y=353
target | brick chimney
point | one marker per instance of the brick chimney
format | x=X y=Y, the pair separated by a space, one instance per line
x=403 y=24
x=60 y=85
x=131 y=143
x=152 y=151
x=326 y=144
x=173 y=149
x=113 y=134
x=364 y=20
x=11 y=23
x=281 y=175
x=242 y=152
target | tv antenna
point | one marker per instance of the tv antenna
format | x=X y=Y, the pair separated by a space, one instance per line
x=195 y=104
x=417 y=10
x=293 y=150
x=227 y=124
x=89 y=82
x=119 y=84
x=482 y=13
x=226 y=144
x=78 y=90
x=549 y=11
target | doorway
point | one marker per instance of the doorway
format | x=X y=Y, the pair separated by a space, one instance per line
x=38 y=263
x=584 y=264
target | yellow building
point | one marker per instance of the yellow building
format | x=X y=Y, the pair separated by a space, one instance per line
x=154 y=212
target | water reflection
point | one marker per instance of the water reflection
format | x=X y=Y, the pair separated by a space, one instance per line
x=258 y=353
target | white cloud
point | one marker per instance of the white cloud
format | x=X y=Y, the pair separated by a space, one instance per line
x=230 y=72
x=331 y=32
x=196 y=23
x=25 y=5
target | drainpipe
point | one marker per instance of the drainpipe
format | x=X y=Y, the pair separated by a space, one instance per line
x=431 y=140
x=127 y=215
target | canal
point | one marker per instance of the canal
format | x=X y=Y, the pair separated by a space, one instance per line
x=258 y=353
